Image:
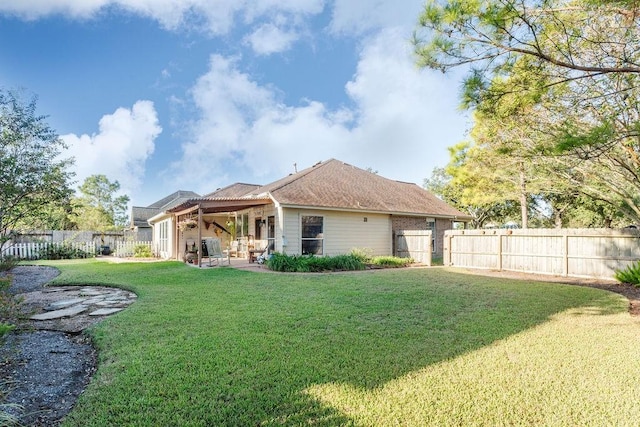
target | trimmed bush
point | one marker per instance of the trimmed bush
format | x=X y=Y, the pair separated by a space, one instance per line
x=631 y=274
x=313 y=264
x=391 y=261
x=142 y=251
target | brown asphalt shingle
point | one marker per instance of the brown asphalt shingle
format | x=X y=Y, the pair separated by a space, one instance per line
x=334 y=184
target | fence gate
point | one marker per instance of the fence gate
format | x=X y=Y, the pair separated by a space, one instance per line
x=414 y=244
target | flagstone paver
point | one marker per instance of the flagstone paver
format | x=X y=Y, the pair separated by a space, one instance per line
x=105 y=311
x=72 y=308
x=59 y=305
x=57 y=314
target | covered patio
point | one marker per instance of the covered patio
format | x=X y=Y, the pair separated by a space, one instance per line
x=198 y=219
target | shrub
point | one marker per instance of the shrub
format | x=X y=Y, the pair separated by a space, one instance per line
x=142 y=251
x=391 y=261
x=9 y=307
x=63 y=251
x=362 y=254
x=8 y=262
x=310 y=263
x=631 y=274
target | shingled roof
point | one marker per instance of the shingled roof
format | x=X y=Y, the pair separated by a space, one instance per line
x=173 y=199
x=338 y=185
x=234 y=190
x=331 y=185
x=140 y=215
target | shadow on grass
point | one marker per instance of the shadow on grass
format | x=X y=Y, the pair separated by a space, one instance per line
x=244 y=347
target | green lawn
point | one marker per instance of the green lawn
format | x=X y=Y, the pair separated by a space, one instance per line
x=220 y=347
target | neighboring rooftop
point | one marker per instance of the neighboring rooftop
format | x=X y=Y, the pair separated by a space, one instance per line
x=140 y=215
x=169 y=201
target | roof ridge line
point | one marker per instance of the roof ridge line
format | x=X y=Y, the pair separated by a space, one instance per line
x=298 y=175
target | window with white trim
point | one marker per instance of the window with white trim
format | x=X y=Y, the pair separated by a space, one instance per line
x=312 y=235
x=163 y=238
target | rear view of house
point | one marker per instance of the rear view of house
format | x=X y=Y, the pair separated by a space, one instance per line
x=327 y=209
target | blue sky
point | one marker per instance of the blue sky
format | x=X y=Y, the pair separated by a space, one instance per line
x=166 y=95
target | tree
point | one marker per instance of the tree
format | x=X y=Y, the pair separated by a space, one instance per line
x=33 y=177
x=456 y=184
x=99 y=207
x=587 y=38
x=565 y=74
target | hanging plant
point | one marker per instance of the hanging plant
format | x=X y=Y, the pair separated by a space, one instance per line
x=187 y=224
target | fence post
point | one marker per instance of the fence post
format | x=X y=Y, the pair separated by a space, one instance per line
x=565 y=254
x=499 y=263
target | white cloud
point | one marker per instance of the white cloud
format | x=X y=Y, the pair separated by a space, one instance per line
x=121 y=147
x=400 y=125
x=356 y=17
x=269 y=38
x=34 y=9
x=213 y=16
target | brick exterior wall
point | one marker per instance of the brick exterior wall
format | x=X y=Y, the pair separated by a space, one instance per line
x=420 y=223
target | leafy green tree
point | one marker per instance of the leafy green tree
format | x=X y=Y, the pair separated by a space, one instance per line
x=99 y=206
x=582 y=38
x=34 y=180
x=564 y=74
x=455 y=185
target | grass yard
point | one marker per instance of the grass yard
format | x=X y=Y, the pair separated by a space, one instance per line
x=221 y=347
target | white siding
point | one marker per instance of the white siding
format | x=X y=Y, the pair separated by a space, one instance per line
x=343 y=231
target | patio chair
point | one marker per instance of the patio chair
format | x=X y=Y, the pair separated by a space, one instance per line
x=214 y=251
x=190 y=251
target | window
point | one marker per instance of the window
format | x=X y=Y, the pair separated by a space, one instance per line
x=431 y=225
x=312 y=235
x=271 y=232
x=163 y=239
x=244 y=227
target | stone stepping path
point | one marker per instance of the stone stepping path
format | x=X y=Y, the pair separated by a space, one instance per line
x=72 y=308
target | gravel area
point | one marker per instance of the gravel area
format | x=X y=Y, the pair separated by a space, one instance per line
x=31 y=278
x=43 y=371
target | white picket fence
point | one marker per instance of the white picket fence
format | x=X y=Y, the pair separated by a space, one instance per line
x=126 y=249
x=33 y=251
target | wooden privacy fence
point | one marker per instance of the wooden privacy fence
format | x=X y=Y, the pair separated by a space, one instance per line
x=414 y=244
x=589 y=253
x=33 y=251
